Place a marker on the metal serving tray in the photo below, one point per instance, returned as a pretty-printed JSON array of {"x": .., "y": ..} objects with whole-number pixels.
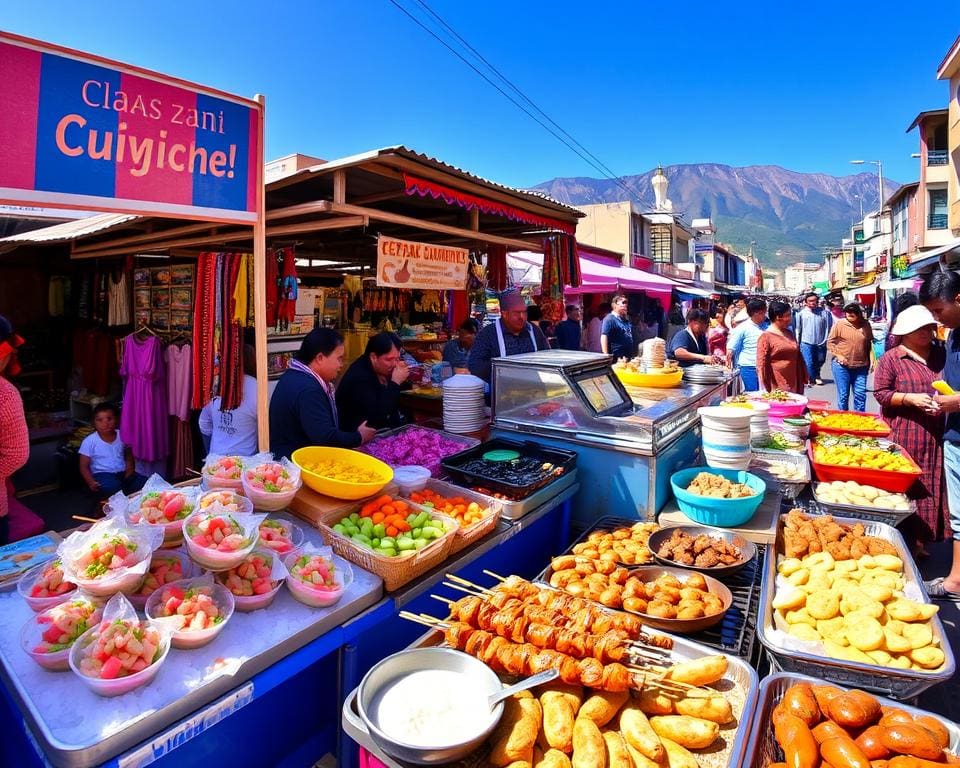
[
  {"x": 893, "y": 682},
  {"x": 562, "y": 459},
  {"x": 514, "y": 510},
  {"x": 735, "y": 633},
  {"x": 762, "y": 748},
  {"x": 76, "y": 728},
  {"x": 791, "y": 488},
  {"x": 740, "y": 686},
  {"x": 874, "y": 514}
]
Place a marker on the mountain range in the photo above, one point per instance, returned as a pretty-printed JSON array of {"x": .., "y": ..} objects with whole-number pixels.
[{"x": 788, "y": 215}]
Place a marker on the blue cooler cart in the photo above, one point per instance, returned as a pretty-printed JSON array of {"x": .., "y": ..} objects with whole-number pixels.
[{"x": 628, "y": 440}]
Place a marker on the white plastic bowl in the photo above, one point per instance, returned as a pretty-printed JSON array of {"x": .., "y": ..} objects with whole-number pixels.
[
  {"x": 32, "y": 634},
  {"x": 37, "y": 604},
  {"x": 187, "y": 570},
  {"x": 108, "y": 585},
  {"x": 120, "y": 685},
  {"x": 213, "y": 559},
  {"x": 247, "y": 603},
  {"x": 243, "y": 503},
  {"x": 267, "y": 501},
  {"x": 411, "y": 478},
  {"x": 186, "y": 639},
  {"x": 311, "y": 597},
  {"x": 296, "y": 538},
  {"x": 172, "y": 531}
]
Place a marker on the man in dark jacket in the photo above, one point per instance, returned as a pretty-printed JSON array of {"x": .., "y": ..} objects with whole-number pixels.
[
  {"x": 302, "y": 409},
  {"x": 370, "y": 389},
  {"x": 510, "y": 335},
  {"x": 569, "y": 330}
]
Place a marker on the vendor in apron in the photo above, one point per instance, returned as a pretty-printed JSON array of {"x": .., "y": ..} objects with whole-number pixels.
[{"x": 510, "y": 335}]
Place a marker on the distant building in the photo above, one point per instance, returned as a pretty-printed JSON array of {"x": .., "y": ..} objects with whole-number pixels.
[
  {"x": 949, "y": 69},
  {"x": 907, "y": 229},
  {"x": 799, "y": 277},
  {"x": 282, "y": 167},
  {"x": 932, "y": 190}
]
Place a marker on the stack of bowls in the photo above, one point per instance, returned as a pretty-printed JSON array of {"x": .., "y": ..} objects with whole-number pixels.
[
  {"x": 726, "y": 436},
  {"x": 760, "y": 423}
]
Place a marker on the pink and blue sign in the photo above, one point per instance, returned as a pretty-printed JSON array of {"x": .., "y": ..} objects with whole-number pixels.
[{"x": 78, "y": 131}]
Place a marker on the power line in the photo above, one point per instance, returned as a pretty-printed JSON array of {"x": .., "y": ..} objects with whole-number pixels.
[
  {"x": 616, "y": 177},
  {"x": 519, "y": 106}
]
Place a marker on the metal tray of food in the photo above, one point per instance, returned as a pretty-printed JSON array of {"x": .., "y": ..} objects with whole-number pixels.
[
  {"x": 740, "y": 686},
  {"x": 514, "y": 510},
  {"x": 874, "y": 514},
  {"x": 891, "y": 681},
  {"x": 609, "y": 524},
  {"x": 563, "y": 461},
  {"x": 762, "y": 749},
  {"x": 762, "y": 457}
]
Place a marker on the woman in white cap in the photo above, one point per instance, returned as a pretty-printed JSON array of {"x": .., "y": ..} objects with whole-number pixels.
[{"x": 902, "y": 383}]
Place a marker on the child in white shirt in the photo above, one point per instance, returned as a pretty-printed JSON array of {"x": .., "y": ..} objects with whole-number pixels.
[{"x": 106, "y": 464}]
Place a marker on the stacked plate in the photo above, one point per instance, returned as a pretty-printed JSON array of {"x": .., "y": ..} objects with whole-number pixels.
[
  {"x": 760, "y": 423},
  {"x": 726, "y": 436},
  {"x": 704, "y": 374},
  {"x": 463, "y": 407}
]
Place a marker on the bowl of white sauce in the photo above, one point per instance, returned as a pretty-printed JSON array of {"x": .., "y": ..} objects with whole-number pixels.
[{"x": 429, "y": 705}]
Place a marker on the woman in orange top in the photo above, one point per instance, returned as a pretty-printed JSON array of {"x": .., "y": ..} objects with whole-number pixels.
[{"x": 779, "y": 363}]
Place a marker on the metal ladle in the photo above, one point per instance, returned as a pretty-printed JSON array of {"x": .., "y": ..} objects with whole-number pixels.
[{"x": 531, "y": 682}]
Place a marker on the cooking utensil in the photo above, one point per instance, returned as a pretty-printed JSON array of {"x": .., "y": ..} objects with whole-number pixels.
[
  {"x": 650, "y": 573},
  {"x": 531, "y": 682},
  {"x": 748, "y": 550}
]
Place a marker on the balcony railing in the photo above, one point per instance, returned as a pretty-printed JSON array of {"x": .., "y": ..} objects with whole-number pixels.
[
  {"x": 937, "y": 221},
  {"x": 937, "y": 157}
]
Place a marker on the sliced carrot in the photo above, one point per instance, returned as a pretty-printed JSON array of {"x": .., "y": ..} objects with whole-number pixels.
[
  {"x": 392, "y": 530},
  {"x": 388, "y": 509},
  {"x": 401, "y": 506},
  {"x": 403, "y": 526},
  {"x": 378, "y": 517}
]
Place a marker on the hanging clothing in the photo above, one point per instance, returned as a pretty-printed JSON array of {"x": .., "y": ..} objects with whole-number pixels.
[
  {"x": 287, "y": 305},
  {"x": 178, "y": 361},
  {"x": 273, "y": 287},
  {"x": 93, "y": 355},
  {"x": 57, "y": 295},
  {"x": 240, "y": 292},
  {"x": 118, "y": 300},
  {"x": 181, "y": 451},
  {"x": 204, "y": 322},
  {"x": 143, "y": 425}
]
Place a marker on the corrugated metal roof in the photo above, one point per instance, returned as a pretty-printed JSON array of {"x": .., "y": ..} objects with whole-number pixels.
[
  {"x": 352, "y": 160},
  {"x": 71, "y": 230}
]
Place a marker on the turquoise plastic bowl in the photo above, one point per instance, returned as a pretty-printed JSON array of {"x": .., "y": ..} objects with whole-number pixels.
[{"x": 724, "y": 513}]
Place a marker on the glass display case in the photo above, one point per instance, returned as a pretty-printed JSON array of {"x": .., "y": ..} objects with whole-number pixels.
[{"x": 576, "y": 395}]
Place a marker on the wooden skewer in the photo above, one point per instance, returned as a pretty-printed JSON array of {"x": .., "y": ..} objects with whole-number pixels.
[
  {"x": 442, "y": 599},
  {"x": 83, "y": 519},
  {"x": 496, "y": 576},
  {"x": 466, "y": 583},
  {"x": 414, "y": 618},
  {"x": 464, "y": 589}
]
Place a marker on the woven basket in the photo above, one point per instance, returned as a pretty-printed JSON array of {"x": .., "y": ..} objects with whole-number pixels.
[
  {"x": 395, "y": 571},
  {"x": 491, "y": 508}
]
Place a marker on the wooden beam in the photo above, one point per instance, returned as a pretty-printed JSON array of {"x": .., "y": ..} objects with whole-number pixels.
[
  {"x": 475, "y": 220},
  {"x": 341, "y": 222},
  {"x": 303, "y": 209},
  {"x": 394, "y": 218},
  {"x": 379, "y": 197},
  {"x": 340, "y": 186},
  {"x": 260, "y": 291}
]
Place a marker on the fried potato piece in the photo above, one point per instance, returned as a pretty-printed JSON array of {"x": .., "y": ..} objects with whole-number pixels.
[
  {"x": 689, "y": 732},
  {"x": 678, "y": 756},
  {"x": 864, "y": 632},
  {"x": 894, "y": 642},
  {"x": 789, "y": 599},
  {"x": 918, "y": 635},
  {"x": 823, "y": 605},
  {"x": 928, "y": 658},
  {"x": 702, "y": 671},
  {"x": 714, "y": 708},
  {"x": 602, "y": 706},
  {"x": 804, "y": 632}
]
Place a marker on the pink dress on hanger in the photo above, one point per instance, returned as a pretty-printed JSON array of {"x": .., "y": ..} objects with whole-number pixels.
[
  {"x": 143, "y": 424},
  {"x": 179, "y": 380}
]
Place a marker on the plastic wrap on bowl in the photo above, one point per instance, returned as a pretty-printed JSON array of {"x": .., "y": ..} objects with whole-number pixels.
[
  {"x": 45, "y": 586},
  {"x": 256, "y": 581},
  {"x": 197, "y": 628},
  {"x": 224, "y": 551},
  {"x": 271, "y": 485},
  {"x": 321, "y": 595},
  {"x": 85, "y": 562}
]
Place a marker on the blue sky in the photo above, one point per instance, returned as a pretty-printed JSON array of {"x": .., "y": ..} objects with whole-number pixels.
[{"x": 807, "y": 86}]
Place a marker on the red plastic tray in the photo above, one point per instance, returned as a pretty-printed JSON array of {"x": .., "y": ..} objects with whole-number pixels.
[
  {"x": 884, "y": 479},
  {"x": 816, "y": 429}
]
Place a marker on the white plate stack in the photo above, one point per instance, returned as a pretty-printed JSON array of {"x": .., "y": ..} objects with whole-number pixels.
[
  {"x": 704, "y": 374},
  {"x": 760, "y": 423},
  {"x": 726, "y": 436},
  {"x": 463, "y": 407},
  {"x": 653, "y": 354}
]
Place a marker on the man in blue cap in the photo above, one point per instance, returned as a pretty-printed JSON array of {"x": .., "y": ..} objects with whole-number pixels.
[{"x": 510, "y": 335}]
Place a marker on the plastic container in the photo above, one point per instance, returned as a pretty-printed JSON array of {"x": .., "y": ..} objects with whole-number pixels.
[
  {"x": 211, "y": 480},
  {"x": 666, "y": 380},
  {"x": 37, "y": 604},
  {"x": 725, "y": 513},
  {"x": 280, "y": 536},
  {"x": 312, "y": 597},
  {"x": 231, "y": 501},
  {"x": 247, "y": 603},
  {"x": 882, "y": 430},
  {"x": 120, "y": 685},
  {"x": 795, "y": 406},
  {"x": 186, "y": 639},
  {"x": 139, "y": 599},
  {"x": 340, "y": 489},
  {"x": 410, "y": 478},
  {"x": 172, "y": 529},
  {"x": 564, "y": 462},
  {"x": 216, "y": 560},
  {"x": 885, "y": 480},
  {"x": 32, "y": 634},
  {"x": 271, "y": 501},
  {"x": 798, "y": 427}
]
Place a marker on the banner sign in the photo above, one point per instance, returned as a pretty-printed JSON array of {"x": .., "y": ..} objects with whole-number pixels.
[
  {"x": 84, "y": 132},
  {"x": 405, "y": 264}
]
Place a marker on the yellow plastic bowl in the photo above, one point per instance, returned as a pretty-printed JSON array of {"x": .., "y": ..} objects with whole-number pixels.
[
  {"x": 340, "y": 489},
  {"x": 656, "y": 380}
]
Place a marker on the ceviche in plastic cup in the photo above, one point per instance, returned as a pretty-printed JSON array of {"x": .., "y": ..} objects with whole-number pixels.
[
  {"x": 231, "y": 501},
  {"x": 223, "y": 472},
  {"x": 220, "y": 540},
  {"x": 165, "y": 508},
  {"x": 45, "y": 586},
  {"x": 121, "y": 652},
  {"x": 256, "y": 581},
  {"x": 200, "y": 609},
  {"x": 47, "y": 637},
  {"x": 166, "y": 566},
  {"x": 271, "y": 485},
  {"x": 110, "y": 557},
  {"x": 281, "y": 536},
  {"x": 316, "y": 578}
]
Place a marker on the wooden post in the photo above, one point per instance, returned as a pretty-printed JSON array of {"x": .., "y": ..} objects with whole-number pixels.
[{"x": 260, "y": 289}]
